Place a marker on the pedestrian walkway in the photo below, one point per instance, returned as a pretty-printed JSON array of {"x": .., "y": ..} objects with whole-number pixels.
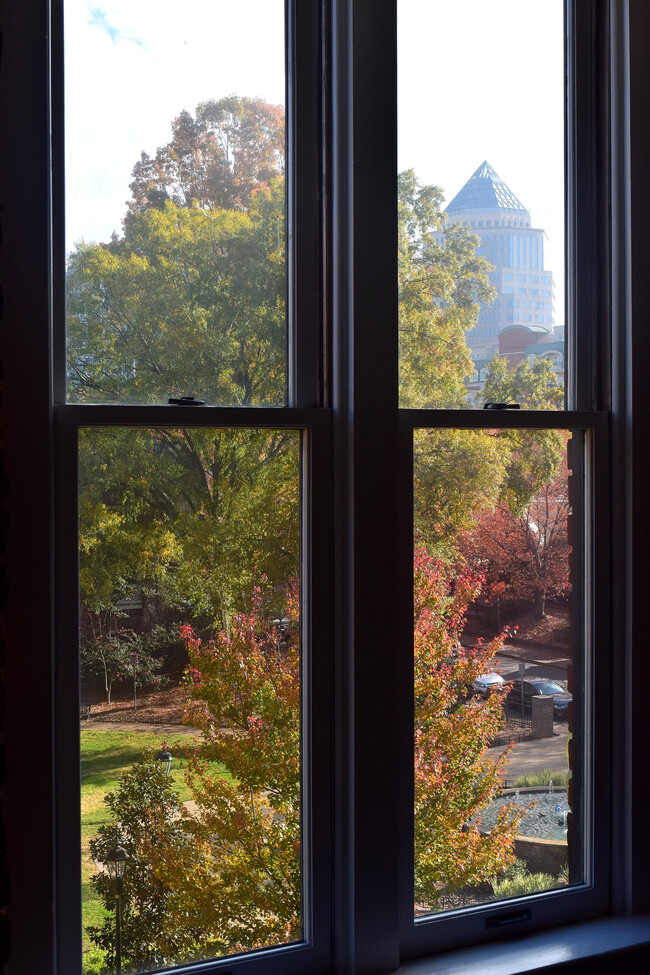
[
  {"x": 164, "y": 730},
  {"x": 537, "y": 755}
]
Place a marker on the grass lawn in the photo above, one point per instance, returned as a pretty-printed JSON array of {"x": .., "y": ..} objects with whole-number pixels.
[{"x": 104, "y": 754}]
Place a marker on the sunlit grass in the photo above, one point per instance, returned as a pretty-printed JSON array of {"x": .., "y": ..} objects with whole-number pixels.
[
  {"x": 105, "y": 754},
  {"x": 531, "y": 780}
]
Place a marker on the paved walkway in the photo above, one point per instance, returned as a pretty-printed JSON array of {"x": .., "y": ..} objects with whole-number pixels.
[
  {"x": 535, "y": 756},
  {"x": 164, "y": 730}
]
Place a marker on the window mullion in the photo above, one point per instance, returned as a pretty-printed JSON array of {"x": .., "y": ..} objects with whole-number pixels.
[{"x": 365, "y": 444}]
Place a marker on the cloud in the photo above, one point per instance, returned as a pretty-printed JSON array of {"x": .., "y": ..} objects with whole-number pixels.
[{"x": 99, "y": 18}]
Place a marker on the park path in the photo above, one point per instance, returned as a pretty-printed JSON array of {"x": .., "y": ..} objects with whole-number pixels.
[
  {"x": 165, "y": 730},
  {"x": 537, "y": 755}
]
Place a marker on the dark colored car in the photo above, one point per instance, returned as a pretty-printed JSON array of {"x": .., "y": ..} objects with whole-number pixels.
[{"x": 540, "y": 685}]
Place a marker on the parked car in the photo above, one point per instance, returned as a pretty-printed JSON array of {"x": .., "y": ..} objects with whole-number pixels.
[
  {"x": 540, "y": 685},
  {"x": 485, "y": 683}
]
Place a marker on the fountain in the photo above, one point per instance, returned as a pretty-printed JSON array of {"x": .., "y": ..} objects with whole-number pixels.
[
  {"x": 545, "y": 816},
  {"x": 541, "y": 839}
]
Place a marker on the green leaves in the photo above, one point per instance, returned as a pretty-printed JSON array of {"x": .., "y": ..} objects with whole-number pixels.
[
  {"x": 439, "y": 287},
  {"x": 187, "y": 302}
]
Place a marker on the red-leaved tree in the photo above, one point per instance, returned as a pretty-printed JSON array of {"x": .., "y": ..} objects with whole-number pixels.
[
  {"x": 235, "y": 865},
  {"x": 240, "y": 874},
  {"x": 525, "y": 556},
  {"x": 455, "y": 779}
]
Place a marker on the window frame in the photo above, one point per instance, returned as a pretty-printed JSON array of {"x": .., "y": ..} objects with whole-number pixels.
[
  {"x": 611, "y": 238},
  {"x": 303, "y": 411}
]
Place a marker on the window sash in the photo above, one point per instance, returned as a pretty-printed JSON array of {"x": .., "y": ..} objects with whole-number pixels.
[
  {"x": 591, "y": 556},
  {"x": 313, "y": 952}
]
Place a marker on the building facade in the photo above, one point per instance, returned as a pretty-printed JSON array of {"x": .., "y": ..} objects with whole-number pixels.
[{"x": 522, "y": 316}]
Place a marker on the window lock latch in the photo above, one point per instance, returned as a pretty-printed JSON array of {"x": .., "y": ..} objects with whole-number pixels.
[
  {"x": 186, "y": 401},
  {"x": 501, "y": 406}
]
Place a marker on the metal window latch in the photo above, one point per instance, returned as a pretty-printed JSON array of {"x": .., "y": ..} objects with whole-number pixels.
[
  {"x": 501, "y": 406},
  {"x": 186, "y": 401},
  {"x": 504, "y": 919}
]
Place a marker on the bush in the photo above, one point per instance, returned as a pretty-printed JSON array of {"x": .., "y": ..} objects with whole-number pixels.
[
  {"x": 530, "y": 780},
  {"x": 529, "y": 883}
]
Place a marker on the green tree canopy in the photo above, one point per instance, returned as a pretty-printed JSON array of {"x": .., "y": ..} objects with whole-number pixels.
[{"x": 440, "y": 285}]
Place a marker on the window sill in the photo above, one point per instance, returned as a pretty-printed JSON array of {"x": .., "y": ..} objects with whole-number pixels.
[{"x": 578, "y": 947}]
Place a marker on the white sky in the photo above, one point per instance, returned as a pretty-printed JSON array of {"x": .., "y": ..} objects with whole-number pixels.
[
  {"x": 132, "y": 66},
  {"x": 477, "y": 80}
]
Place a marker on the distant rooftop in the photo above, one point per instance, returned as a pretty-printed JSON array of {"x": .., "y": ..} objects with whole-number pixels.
[{"x": 485, "y": 190}]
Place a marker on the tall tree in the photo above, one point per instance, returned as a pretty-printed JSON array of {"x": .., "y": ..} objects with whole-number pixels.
[
  {"x": 186, "y": 516},
  {"x": 528, "y": 551},
  {"x": 186, "y": 303},
  {"x": 221, "y": 158},
  {"x": 440, "y": 286},
  {"x": 454, "y": 778}
]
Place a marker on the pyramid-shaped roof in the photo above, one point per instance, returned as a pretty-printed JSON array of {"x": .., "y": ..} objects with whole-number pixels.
[{"x": 484, "y": 191}]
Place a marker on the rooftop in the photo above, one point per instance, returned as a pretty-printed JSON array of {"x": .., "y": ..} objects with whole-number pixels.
[{"x": 484, "y": 191}]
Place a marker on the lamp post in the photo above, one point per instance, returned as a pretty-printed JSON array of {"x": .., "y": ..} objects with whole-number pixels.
[
  {"x": 134, "y": 661},
  {"x": 165, "y": 758},
  {"x": 281, "y": 627},
  {"x": 116, "y": 861}
]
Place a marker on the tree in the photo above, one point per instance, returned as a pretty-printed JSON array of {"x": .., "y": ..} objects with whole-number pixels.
[
  {"x": 143, "y": 804},
  {"x": 527, "y": 554},
  {"x": 440, "y": 286},
  {"x": 222, "y": 158},
  {"x": 534, "y": 455},
  {"x": 457, "y": 474},
  {"x": 120, "y": 655},
  {"x": 188, "y": 302},
  {"x": 454, "y": 778},
  {"x": 185, "y": 516},
  {"x": 239, "y": 876}
]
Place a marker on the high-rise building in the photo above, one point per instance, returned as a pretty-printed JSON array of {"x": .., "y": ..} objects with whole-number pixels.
[{"x": 525, "y": 299}]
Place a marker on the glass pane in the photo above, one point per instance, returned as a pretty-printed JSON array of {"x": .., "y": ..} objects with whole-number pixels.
[
  {"x": 190, "y": 651},
  {"x": 175, "y": 201},
  {"x": 499, "y": 644},
  {"x": 481, "y": 203}
]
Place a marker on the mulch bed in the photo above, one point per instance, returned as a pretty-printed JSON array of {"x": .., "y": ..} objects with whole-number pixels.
[{"x": 159, "y": 707}]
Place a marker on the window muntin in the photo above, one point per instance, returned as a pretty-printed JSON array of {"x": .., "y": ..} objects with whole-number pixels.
[{"x": 180, "y": 292}]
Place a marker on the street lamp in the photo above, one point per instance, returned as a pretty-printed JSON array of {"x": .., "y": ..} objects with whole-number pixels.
[
  {"x": 134, "y": 661},
  {"x": 165, "y": 758},
  {"x": 281, "y": 627},
  {"x": 116, "y": 862}
]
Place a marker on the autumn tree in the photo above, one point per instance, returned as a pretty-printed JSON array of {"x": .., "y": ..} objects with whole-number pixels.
[
  {"x": 525, "y": 555},
  {"x": 454, "y": 778},
  {"x": 239, "y": 875},
  {"x": 220, "y": 158}
]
